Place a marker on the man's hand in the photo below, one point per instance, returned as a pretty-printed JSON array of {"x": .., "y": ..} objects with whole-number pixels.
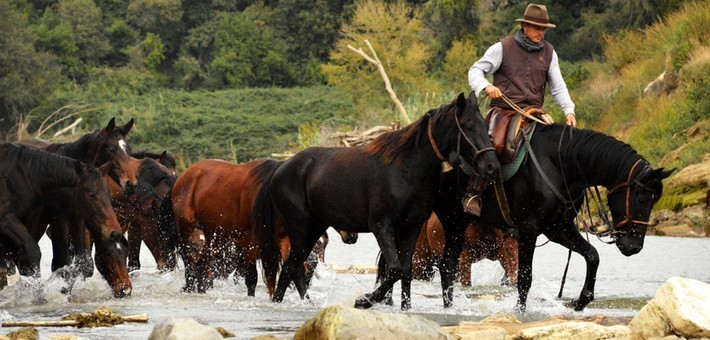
[
  {"x": 571, "y": 120},
  {"x": 493, "y": 92}
]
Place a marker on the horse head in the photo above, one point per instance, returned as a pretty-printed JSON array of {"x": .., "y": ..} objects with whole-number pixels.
[
  {"x": 94, "y": 206},
  {"x": 630, "y": 204},
  {"x": 110, "y": 259},
  {"x": 464, "y": 132},
  {"x": 109, "y": 144}
]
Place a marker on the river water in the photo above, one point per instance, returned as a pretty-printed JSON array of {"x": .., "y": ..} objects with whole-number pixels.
[{"x": 624, "y": 285}]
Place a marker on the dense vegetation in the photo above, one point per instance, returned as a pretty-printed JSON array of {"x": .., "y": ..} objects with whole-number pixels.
[{"x": 241, "y": 79}]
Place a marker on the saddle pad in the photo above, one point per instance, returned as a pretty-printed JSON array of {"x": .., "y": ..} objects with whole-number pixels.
[{"x": 508, "y": 170}]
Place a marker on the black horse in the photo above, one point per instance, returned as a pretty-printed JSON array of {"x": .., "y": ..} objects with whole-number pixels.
[
  {"x": 546, "y": 194},
  {"x": 35, "y": 188},
  {"x": 387, "y": 188}
]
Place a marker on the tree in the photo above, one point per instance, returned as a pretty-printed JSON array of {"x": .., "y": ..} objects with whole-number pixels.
[
  {"x": 27, "y": 76},
  {"x": 397, "y": 39},
  {"x": 234, "y": 52}
]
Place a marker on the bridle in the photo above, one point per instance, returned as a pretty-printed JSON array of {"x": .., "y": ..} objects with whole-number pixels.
[
  {"x": 627, "y": 185},
  {"x": 478, "y": 152}
]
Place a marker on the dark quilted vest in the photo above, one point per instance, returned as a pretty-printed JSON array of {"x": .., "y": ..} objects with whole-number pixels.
[{"x": 523, "y": 75}]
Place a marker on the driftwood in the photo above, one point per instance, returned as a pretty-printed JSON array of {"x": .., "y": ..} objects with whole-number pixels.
[
  {"x": 102, "y": 317},
  {"x": 354, "y": 138}
]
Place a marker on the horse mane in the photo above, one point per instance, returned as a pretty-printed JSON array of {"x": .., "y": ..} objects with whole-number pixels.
[
  {"x": 77, "y": 147},
  {"x": 609, "y": 155},
  {"x": 393, "y": 145},
  {"x": 40, "y": 168},
  {"x": 153, "y": 172},
  {"x": 264, "y": 170}
]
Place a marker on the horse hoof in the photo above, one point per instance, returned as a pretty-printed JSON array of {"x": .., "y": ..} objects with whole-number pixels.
[
  {"x": 576, "y": 305},
  {"x": 363, "y": 302}
]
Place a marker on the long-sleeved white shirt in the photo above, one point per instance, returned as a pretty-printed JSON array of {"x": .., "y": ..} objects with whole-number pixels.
[{"x": 493, "y": 58}]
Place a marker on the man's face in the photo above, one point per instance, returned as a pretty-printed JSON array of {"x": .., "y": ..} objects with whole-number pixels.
[{"x": 533, "y": 32}]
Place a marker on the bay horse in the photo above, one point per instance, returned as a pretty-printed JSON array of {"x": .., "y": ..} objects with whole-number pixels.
[
  {"x": 96, "y": 148},
  {"x": 546, "y": 194},
  {"x": 37, "y": 187},
  {"x": 138, "y": 212},
  {"x": 480, "y": 243},
  {"x": 211, "y": 206},
  {"x": 386, "y": 187}
]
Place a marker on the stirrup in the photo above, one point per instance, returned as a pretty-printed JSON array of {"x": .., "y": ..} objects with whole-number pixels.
[{"x": 472, "y": 205}]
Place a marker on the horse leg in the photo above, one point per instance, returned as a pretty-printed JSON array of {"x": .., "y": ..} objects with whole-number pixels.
[
  {"x": 508, "y": 258},
  {"x": 381, "y": 270},
  {"x": 454, "y": 230},
  {"x": 60, "y": 246},
  {"x": 526, "y": 250},
  {"x": 28, "y": 252},
  {"x": 292, "y": 271},
  {"x": 464, "y": 268},
  {"x": 82, "y": 243},
  {"x": 386, "y": 241},
  {"x": 251, "y": 278},
  {"x": 571, "y": 239},
  {"x": 134, "y": 246}
]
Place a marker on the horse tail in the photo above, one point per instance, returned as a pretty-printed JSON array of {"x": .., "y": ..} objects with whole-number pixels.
[
  {"x": 265, "y": 232},
  {"x": 167, "y": 229}
]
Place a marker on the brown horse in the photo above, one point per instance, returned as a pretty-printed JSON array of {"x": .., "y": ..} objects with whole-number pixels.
[
  {"x": 96, "y": 148},
  {"x": 38, "y": 188},
  {"x": 213, "y": 199},
  {"x": 138, "y": 212},
  {"x": 479, "y": 243}
]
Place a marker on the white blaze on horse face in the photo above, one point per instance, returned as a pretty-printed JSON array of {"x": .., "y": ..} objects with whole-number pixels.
[
  {"x": 118, "y": 245},
  {"x": 124, "y": 146},
  {"x": 202, "y": 237}
]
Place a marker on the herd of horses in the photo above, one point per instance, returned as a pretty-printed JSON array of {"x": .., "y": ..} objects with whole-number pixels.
[{"x": 221, "y": 218}]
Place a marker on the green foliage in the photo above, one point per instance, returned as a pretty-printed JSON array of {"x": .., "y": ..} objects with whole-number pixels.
[
  {"x": 656, "y": 124},
  {"x": 236, "y": 125},
  {"x": 397, "y": 40},
  {"x": 27, "y": 76},
  {"x": 458, "y": 60},
  {"x": 85, "y": 19}
]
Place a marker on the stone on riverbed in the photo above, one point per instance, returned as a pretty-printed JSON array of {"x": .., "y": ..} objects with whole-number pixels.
[
  {"x": 680, "y": 307},
  {"x": 187, "y": 329},
  {"x": 505, "y": 326},
  {"x": 338, "y": 322}
]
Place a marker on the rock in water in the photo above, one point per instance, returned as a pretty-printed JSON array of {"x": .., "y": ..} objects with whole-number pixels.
[
  {"x": 679, "y": 308},
  {"x": 183, "y": 329},
  {"x": 338, "y": 322}
]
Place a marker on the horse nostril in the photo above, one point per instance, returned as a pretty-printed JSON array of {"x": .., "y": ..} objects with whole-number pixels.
[{"x": 115, "y": 236}]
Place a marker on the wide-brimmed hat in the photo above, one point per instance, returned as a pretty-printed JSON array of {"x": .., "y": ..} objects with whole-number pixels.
[{"x": 536, "y": 15}]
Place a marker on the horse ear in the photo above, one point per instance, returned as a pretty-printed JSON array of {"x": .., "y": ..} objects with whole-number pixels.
[
  {"x": 664, "y": 174},
  {"x": 126, "y": 128},
  {"x": 111, "y": 125},
  {"x": 461, "y": 101},
  {"x": 105, "y": 168}
]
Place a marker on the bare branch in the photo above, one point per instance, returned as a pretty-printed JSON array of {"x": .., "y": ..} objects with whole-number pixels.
[{"x": 375, "y": 60}]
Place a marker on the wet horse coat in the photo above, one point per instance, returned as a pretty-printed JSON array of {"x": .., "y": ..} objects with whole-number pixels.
[
  {"x": 386, "y": 188},
  {"x": 571, "y": 161},
  {"x": 35, "y": 188}
]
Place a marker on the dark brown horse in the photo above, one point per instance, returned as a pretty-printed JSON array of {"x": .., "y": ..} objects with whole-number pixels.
[
  {"x": 213, "y": 199},
  {"x": 36, "y": 188},
  {"x": 386, "y": 188},
  {"x": 97, "y": 148},
  {"x": 479, "y": 243}
]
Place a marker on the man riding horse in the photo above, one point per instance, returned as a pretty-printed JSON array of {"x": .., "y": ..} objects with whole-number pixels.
[{"x": 521, "y": 65}]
